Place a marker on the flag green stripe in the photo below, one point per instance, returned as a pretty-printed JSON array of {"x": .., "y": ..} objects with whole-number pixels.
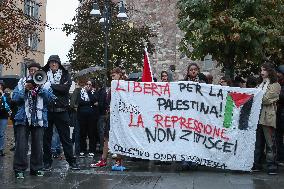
[{"x": 228, "y": 116}]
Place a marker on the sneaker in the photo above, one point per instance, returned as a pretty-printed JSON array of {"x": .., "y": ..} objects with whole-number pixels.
[
  {"x": 272, "y": 171},
  {"x": 74, "y": 166},
  {"x": 91, "y": 155},
  {"x": 280, "y": 163},
  {"x": 47, "y": 167},
  {"x": 82, "y": 155},
  {"x": 19, "y": 175},
  {"x": 114, "y": 156},
  {"x": 101, "y": 163},
  {"x": 37, "y": 173}
]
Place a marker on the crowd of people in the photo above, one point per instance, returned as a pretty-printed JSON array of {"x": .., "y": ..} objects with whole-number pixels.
[{"x": 43, "y": 113}]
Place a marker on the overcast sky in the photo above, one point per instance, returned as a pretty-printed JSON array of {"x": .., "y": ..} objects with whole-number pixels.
[{"x": 59, "y": 12}]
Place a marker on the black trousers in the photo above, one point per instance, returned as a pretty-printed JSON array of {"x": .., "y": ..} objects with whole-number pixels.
[
  {"x": 279, "y": 134},
  {"x": 88, "y": 127},
  {"x": 61, "y": 121},
  {"x": 21, "y": 153},
  {"x": 265, "y": 137},
  {"x": 76, "y": 132}
]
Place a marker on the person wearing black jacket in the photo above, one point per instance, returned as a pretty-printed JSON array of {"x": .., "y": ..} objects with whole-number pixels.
[
  {"x": 58, "y": 115},
  {"x": 280, "y": 118},
  {"x": 87, "y": 119}
]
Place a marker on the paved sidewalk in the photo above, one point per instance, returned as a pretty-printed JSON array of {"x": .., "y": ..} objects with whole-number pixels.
[{"x": 141, "y": 174}]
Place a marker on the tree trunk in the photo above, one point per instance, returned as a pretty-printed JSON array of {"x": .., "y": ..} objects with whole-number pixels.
[{"x": 229, "y": 67}]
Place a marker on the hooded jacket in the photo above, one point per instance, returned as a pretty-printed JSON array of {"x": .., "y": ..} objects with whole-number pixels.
[{"x": 61, "y": 90}]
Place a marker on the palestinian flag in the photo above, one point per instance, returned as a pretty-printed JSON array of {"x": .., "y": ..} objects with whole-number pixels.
[{"x": 238, "y": 102}]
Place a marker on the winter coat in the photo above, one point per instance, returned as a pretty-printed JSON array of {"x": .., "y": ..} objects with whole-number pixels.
[
  {"x": 74, "y": 100},
  {"x": 102, "y": 107},
  {"x": 20, "y": 95},
  {"x": 78, "y": 104},
  {"x": 269, "y": 105},
  {"x": 61, "y": 90},
  {"x": 88, "y": 106}
]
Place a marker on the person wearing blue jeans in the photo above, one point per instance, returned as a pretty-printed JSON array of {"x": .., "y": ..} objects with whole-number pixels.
[
  {"x": 4, "y": 114},
  {"x": 30, "y": 120},
  {"x": 55, "y": 144},
  {"x": 3, "y": 126}
]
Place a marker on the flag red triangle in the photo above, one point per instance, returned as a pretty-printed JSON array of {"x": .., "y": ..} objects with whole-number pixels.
[
  {"x": 147, "y": 73},
  {"x": 240, "y": 98}
]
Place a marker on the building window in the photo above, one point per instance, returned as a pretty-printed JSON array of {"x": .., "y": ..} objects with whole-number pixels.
[
  {"x": 31, "y": 8},
  {"x": 32, "y": 41},
  {"x": 23, "y": 69},
  {"x": 24, "y": 66}
]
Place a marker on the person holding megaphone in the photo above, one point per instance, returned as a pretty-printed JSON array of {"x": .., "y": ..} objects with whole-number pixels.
[{"x": 31, "y": 95}]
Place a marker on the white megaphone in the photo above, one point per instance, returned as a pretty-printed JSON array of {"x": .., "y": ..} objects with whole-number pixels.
[{"x": 40, "y": 77}]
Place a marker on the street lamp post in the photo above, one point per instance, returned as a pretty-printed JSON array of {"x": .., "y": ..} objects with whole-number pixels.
[{"x": 106, "y": 23}]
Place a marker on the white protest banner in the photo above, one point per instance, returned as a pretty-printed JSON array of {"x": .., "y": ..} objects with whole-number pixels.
[{"x": 211, "y": 125}]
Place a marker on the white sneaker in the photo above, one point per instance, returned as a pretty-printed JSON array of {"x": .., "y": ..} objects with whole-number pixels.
[
  {"x": 114, "y": 156},
  {"x": 82, "y": 155},
  {"x": 91, "y": 155}
]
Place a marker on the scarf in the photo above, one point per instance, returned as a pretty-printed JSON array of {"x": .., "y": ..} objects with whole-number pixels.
[
  {"x": 33, "y": 102},
  {"x": 34, "y": 107},
  {"x": 84, "y": 95},
  {"x": 54, "y": 78},
  {"x": 263, "y": 86}
]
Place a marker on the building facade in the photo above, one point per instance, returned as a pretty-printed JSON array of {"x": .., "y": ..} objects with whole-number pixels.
[
  {"x": 162, "y": 16},
  {"x": 36, "y": 41}
]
